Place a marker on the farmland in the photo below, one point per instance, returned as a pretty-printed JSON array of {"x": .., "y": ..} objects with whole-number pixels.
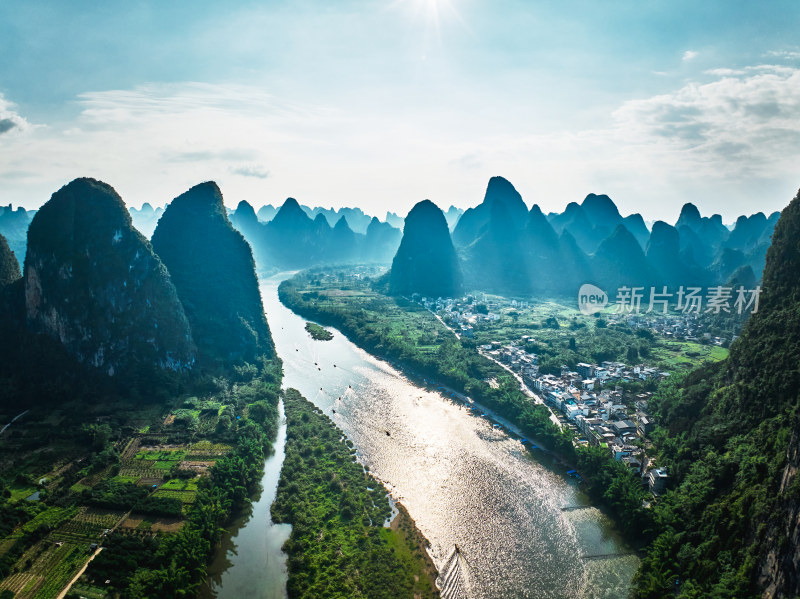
[{"x": 85, "y": 477}]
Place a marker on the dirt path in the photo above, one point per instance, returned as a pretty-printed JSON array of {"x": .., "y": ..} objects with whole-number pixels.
[{"x": 75, "y": 578}]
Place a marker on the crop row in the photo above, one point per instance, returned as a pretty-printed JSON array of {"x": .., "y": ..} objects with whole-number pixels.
[{"x": 182, "y": 496}]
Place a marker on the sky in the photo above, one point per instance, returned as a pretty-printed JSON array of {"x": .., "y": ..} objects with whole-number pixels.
[{"x": 383, "y": 104}]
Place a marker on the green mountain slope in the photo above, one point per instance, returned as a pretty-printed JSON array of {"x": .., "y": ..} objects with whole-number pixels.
[
  {"x": 729, "y": 440},
  {"x": 213, "y": 270},
  {"x": 426, "y": 261},
  {"x": 93, "y": 283}
]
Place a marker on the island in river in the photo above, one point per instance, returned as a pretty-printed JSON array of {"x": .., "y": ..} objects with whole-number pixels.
[{"x": 317, "y": 332}]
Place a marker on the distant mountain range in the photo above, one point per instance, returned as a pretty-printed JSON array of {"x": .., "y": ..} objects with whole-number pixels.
[
  {"x": 505, "y": 247},
  {"x": 293, "y": 239},
  {"x": 501, "y": 245},
  {"x": 14, "y": 227}
]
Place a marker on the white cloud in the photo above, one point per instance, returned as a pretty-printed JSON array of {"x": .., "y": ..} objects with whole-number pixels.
[
  {"x": 253, "y": 170},
  {"x": 719, "y": 143},
  {"x": 689, "y": 55},
  {"x": 10, "y": 120},
  {"x": 740, "y": 124},
  {"x": 784, "y": 54},
  {"x": 725, "y": 72}
]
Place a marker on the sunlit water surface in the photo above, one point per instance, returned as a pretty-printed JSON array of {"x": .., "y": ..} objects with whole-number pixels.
[{"x": 463, "y": 481}]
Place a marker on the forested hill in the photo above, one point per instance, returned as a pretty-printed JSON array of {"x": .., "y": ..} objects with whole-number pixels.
[
  {"x": 213, "y": 270},
  {"x": 9, "y": 266},
  {"x": 729, "y": 439},
  {"x": 96, "y": 302},
  {"x": 426, "y": 261},
  {"x": 93, "y": 283}
]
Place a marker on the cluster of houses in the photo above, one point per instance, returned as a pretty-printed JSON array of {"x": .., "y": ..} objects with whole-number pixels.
[
  {"x": 463, "y": 313},
  {"x": 583, "y": 399},
  {"x": 585, "y": 377},
  {"x": 686, "y": 327},
  {"x": 604, "y": 418},
  {"x": 584, "y": 402}
]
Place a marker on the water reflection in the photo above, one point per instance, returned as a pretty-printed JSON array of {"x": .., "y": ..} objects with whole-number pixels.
[
  {"x": 464, "y": 481},
  {"x": 250, "y": 562}
]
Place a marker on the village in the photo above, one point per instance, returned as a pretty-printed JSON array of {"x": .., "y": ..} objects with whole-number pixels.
[
  {"x": 589, "y": 400},
  {"x": 591, "y": 404},
  {"x": 470, "y": 312}
]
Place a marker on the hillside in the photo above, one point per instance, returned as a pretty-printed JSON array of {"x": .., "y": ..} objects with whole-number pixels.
[
  {"x": 93, "y": 283},
  {"x": 729, "y": 527},
  {"x": 426, "y": 261},
  {"x": 9, "y": 267},
  {"x": 213, "y": 270}
]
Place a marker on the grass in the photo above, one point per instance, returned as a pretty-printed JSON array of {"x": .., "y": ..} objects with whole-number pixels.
[
  {"x": 162, "y": 455},
  {"x": 177, "y": 484},
  {"x": 19, "y": 492},
  {"x": 686, "y": 354},
  {"x": 182, "y": 496}
]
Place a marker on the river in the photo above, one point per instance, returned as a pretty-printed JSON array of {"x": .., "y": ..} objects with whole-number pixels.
[{"x": 463, "y": 481}]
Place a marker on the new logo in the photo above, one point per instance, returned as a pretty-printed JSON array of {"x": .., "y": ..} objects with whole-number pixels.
[{"x": 591, "y": 299}]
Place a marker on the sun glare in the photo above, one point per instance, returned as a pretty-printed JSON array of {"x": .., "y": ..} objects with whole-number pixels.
[{"x": 432, "y": 12}]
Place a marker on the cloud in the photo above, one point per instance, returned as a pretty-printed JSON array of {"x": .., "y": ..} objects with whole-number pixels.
[
  {"x": 743, "y": 122},
  {"x": 725, "y": 72},
  {"x": 728, "y": 137},
  {"x": 259, "y": 172},
  {"x": 9, "y": 118},
  {"x": 784, "y": 54},
  {"x": 469, "y": 162},
  {"x": 197, "y": 156},
  {"x": 689, "y": 55}
]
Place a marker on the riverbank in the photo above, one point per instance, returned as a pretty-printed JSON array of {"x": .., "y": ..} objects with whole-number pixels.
[
  {"x": 396, "y": 330},
  {"x": 338, "y": 545},
  {"x": 411, "y": 336},
  {"x": 411, "y": 538},
  {"x": 465, "y": 482}
]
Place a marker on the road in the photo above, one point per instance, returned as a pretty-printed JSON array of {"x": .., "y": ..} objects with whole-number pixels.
[{"x": 523, "y": 387}]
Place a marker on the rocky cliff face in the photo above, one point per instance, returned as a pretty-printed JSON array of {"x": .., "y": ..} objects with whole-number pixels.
[
  {"x": 426, "y": 261},
  {"x": 212, "y": 267},
  {"x": 779, "y": 321},
  {"x": 9, "y": 267},
  {"x": 779, "y": 574},
  {"x": 93, "y": 283}
]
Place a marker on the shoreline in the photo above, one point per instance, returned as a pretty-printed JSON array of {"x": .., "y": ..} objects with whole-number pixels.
[{"x": 404, "y": 524}]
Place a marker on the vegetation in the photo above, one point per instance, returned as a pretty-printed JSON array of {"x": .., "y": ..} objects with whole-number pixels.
[
  {"x": 213, "y": 271},
  {"x": 402, "y": 331},
  {"x": 9, "y": 267},
  {"x": 118, "y": 433},
  {"x": 426, "y": 261},
  {"x": 338, "y": 545},
  {"x": 317, "y": 332},
  {"x": 561, "y": 335},
  {"x": 728, "y": 438},
  {"x": 117, "y": 309},
  {"x": 165, "y": 495}
]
